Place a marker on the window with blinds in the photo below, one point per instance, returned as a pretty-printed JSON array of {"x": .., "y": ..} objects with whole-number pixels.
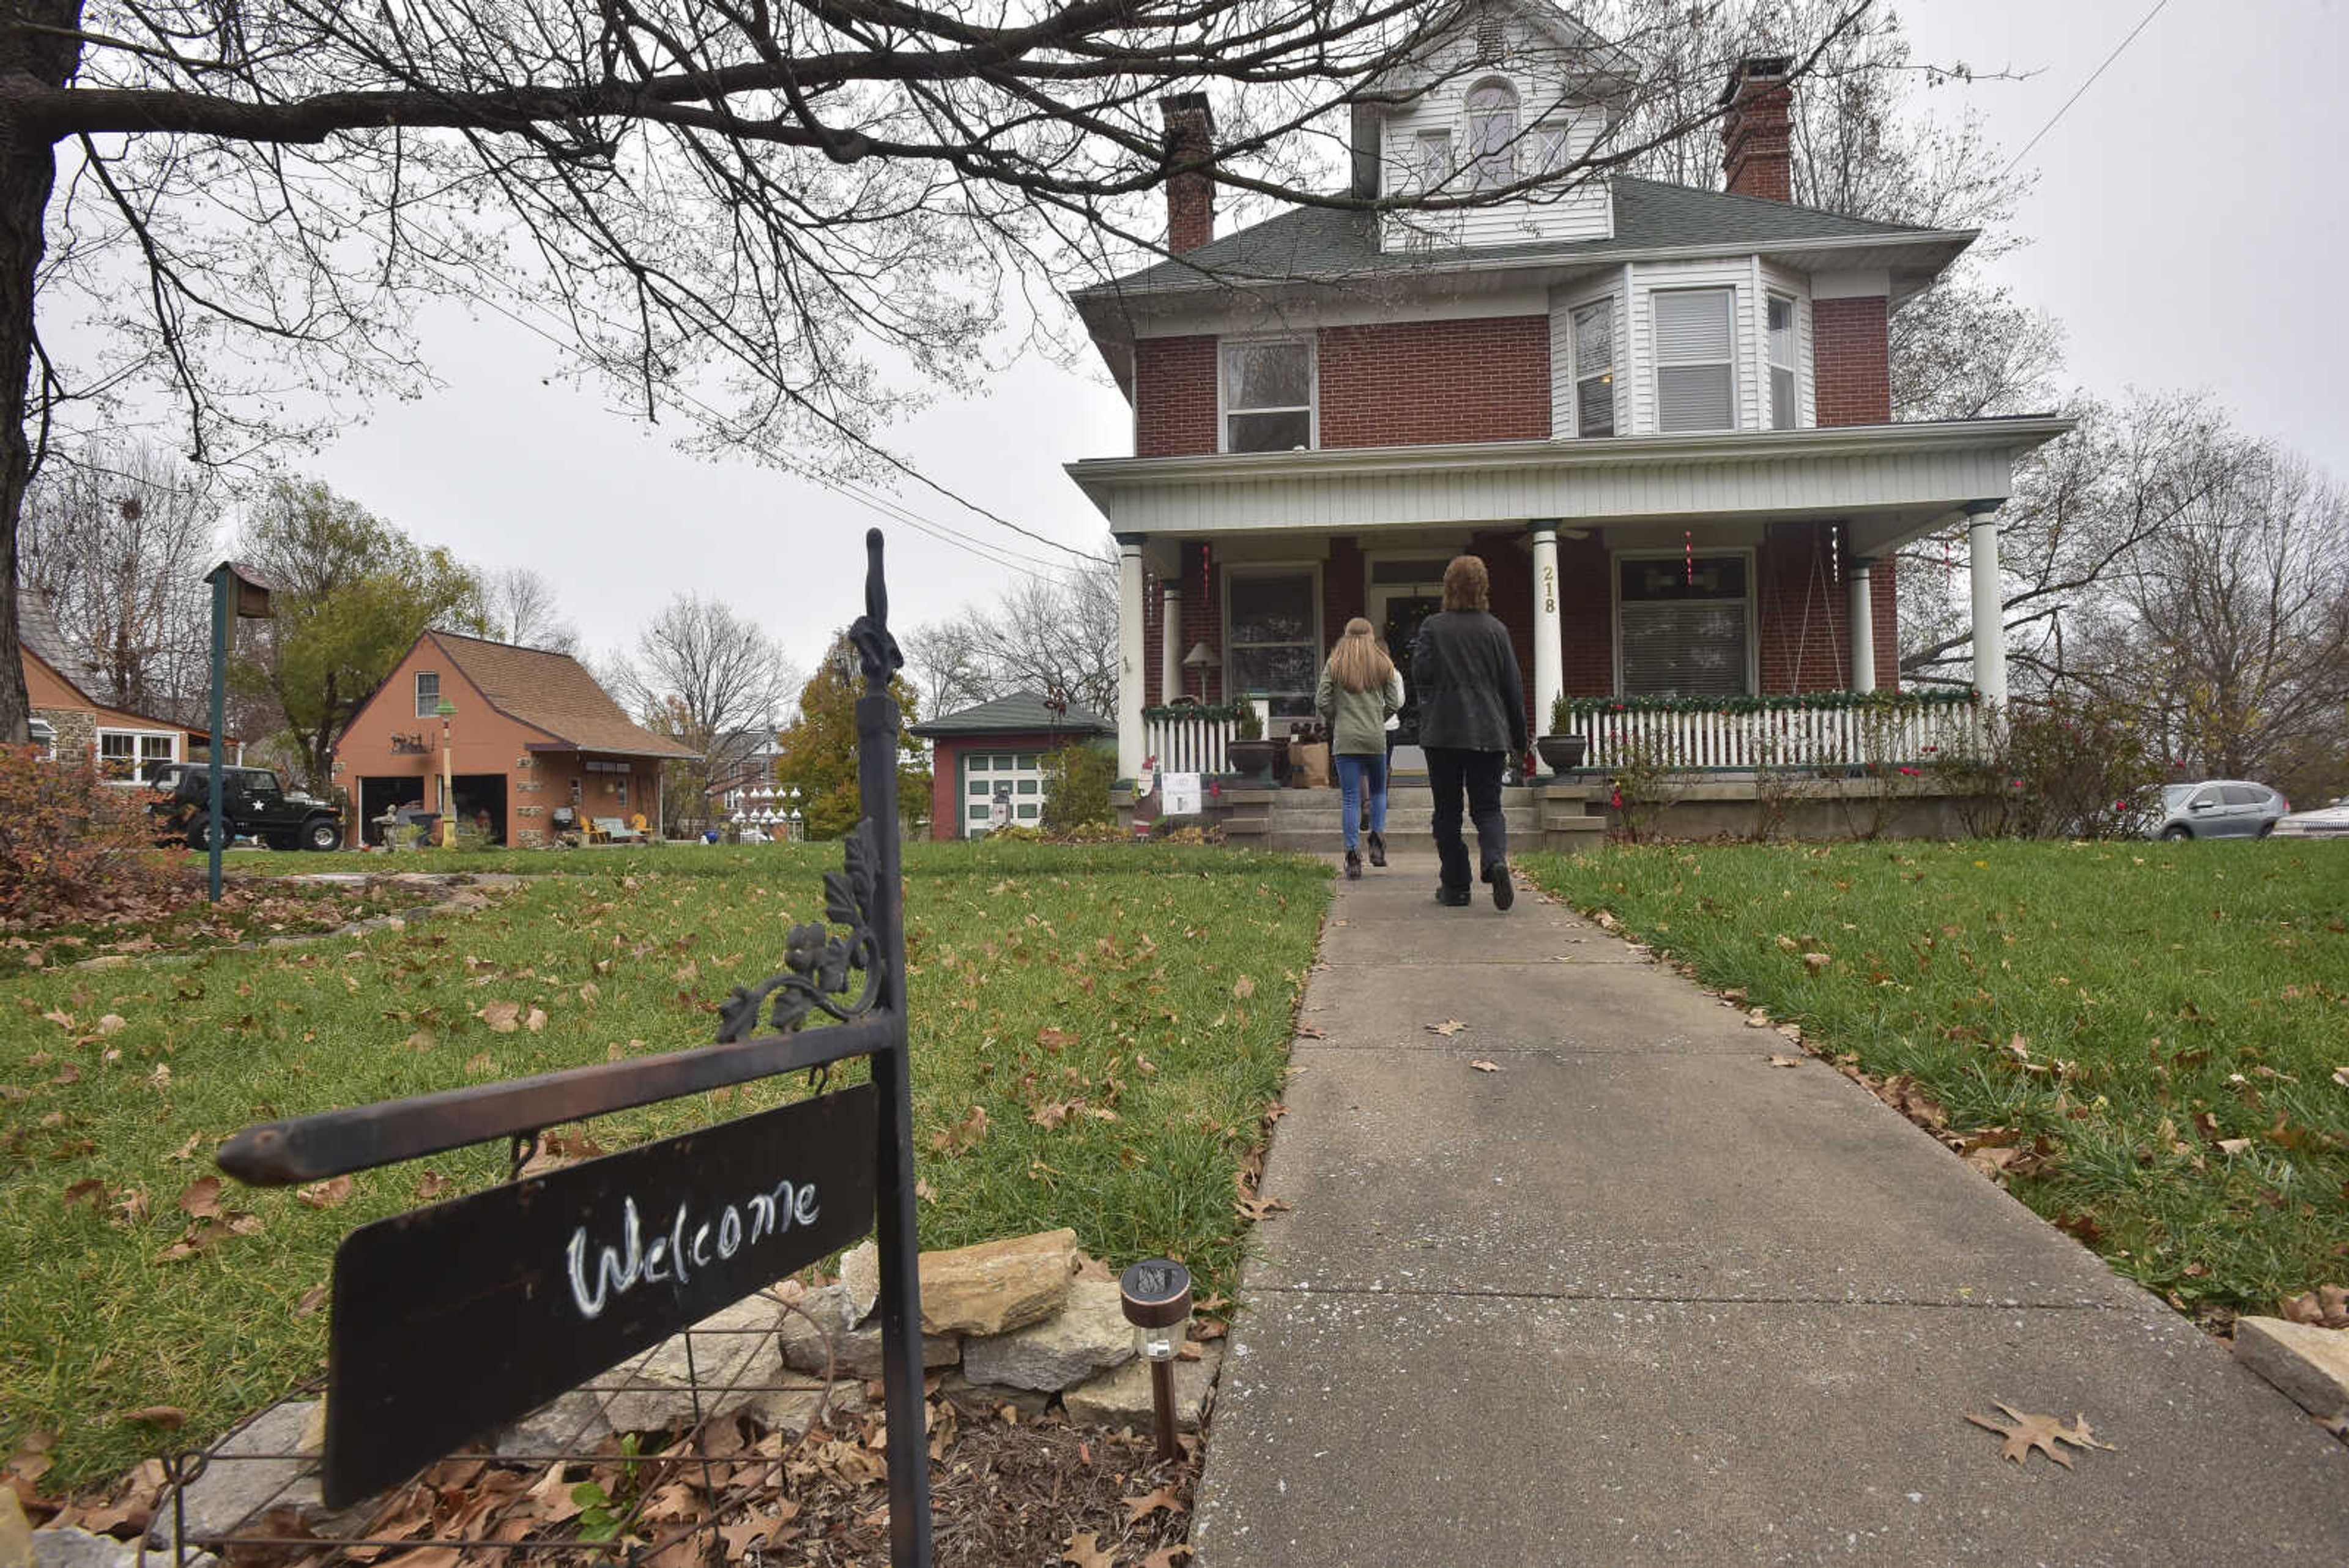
[
  {"x": 1786, "y": 403},
  {"x": 1696, "y": 378},
  {"x": 1594, "y": 369},
  {"x": 1267, "y": 395},
  {"x": 1682, "y": 628}
]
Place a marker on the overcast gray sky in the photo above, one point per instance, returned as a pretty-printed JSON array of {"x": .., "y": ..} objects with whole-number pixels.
[{"x": 2187, "y": 215}]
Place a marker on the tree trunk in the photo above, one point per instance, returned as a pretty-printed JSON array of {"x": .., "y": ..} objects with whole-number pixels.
[{"x": 28, "y": 169}]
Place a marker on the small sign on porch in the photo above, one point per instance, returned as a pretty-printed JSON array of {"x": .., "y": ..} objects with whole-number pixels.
[{"x": 1182, "y": 795}]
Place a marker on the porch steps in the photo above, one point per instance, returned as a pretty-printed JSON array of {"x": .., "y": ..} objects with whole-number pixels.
[{"x": 1565, "y": 819}]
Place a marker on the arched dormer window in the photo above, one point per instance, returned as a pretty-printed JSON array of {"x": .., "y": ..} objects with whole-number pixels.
[{"x": 1493, "y": 134}]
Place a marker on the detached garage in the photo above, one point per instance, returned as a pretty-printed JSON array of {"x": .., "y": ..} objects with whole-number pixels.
[{"x": 986, "y": 768}]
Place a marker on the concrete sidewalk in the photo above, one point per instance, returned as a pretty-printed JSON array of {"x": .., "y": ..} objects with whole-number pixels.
[{"x": 1640, "y": 1297}]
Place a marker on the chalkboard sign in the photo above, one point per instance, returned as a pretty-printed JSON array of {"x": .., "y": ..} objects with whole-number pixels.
[{"x": 452, "y": 1320}]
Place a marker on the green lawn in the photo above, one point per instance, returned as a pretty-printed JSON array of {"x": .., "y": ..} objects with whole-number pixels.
[
  {"x": 2133, "y": 1006},
  {"x": 1154, "y": 984}
]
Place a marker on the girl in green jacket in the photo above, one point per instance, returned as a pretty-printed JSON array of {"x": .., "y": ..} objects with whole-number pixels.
[{"x": 1360, "y": 691}]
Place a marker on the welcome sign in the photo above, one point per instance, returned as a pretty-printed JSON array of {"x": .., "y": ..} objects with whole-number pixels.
[{"x": 451, "y": 1319}]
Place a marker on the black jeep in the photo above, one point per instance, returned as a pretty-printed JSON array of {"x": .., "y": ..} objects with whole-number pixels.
[{"x": 252, "y": 805}]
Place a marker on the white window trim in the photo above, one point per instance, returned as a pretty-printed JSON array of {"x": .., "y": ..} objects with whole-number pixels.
[
  {"x": 1794, "y": 355},
  {"x": 44, "y": 734},
  {"x": 1311, "y": 568},
  {"x": 1553, "y": 144},
  {"x": 415, "y": 690},
  {"x": 1609, "y": 303},
  {"x": 1615, "y": 559},
  {"x": 139, "y": 759},
  {"x": 1421, "y": 142},
  {"x": 1510, "y": 145},
  {"x": 1657, "y": 365},
  {"x": 1223, "y": 411}
]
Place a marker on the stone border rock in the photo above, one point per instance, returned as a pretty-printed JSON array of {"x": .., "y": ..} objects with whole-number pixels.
[{"x": 2309, "y": 1363}]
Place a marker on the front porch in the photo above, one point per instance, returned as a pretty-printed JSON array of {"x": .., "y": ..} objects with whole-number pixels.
[{"x": 1705, "y": 605}]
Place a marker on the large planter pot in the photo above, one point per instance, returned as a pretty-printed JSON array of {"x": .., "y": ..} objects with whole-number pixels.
[
  {"x": 1564, "y": 754},
  {"x": 1255, "y": 757}
]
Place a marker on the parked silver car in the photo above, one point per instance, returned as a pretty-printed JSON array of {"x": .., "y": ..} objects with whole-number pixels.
[{"x": 2219, "y": 808}]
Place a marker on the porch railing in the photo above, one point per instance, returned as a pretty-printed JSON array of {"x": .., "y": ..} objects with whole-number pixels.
[
  {"x": 1188, "y": 739},
  {"x": 1740, "y": 735}
]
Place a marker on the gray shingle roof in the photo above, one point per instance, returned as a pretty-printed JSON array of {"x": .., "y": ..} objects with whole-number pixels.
[
  {"x": 1013, "y": 715},
  {"x": 1325, "y": 242}
]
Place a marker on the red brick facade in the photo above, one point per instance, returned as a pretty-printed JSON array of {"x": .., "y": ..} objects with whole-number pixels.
[
  {"x": 1174, "y": 397},
  {"x": 1417, "y": 383},
  {"x": 1851, "y": 360},
  {"x": 1586, "y": 608},
  {"x": 1756, "y": 140},
  {"x": 1802, "y": 610}
]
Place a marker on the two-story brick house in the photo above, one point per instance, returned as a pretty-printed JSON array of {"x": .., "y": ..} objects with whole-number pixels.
[{"x": 1662, "y": 415}]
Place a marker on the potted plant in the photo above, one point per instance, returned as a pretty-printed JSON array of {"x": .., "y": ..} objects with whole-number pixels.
[
  {"x": 1251, "y": 754},
  {"x": 1563, "y": 752}
]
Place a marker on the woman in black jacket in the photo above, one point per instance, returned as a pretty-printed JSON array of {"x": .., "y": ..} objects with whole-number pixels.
[{"x": 1471, "y": 720}]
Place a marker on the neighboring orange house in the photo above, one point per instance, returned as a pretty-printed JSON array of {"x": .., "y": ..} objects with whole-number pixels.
[
  {"x": 536, "y": 745},
  {"x": 67, "y": 722}
]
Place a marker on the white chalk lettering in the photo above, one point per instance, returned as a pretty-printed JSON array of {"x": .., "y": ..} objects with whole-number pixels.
[{"x": 600, "y": 1275}]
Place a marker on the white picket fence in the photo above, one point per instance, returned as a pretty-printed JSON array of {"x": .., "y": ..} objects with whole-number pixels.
[
  {"x": 1191, "y": 743},
  {"x": 1892, "y": 734}
]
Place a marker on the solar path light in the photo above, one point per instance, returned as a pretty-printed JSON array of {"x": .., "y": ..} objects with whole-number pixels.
[{"x": 1155, "y": 1294}]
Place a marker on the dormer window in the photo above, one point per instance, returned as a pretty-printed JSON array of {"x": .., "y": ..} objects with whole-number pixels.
[
  {"x": 1550, "y": 148},
  {"x": 1696, "y": 377},
  {"x": 1432, "y": 157},
  {"x": 1268, "y": 395},
  {"x": 1493, "y": 134}
]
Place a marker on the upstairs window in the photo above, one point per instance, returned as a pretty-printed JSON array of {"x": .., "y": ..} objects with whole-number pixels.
[
  {"x": 428, "y": 693},
  {"x": 1267, "y": 395},
  {"x": 1493, "y": 134},
  {"x": 1594, "y": 369},
  {"x": 1682, "y": 625},
  {"x": 1550, "y": 148},
  {"x": 1696, "y": 378},
  {"x": 1786, "y": 403},
  {"x": 1432, "y": 158}
]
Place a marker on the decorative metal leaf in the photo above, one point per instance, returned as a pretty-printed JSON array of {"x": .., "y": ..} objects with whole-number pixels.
[{"x": 817, "y": 963}]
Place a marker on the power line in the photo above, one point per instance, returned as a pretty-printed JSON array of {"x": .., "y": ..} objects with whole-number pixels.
[{"x": 2160, "y": 6}]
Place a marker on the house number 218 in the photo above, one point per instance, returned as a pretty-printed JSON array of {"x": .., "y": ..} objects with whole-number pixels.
[{"x": 1549, "y": 590}]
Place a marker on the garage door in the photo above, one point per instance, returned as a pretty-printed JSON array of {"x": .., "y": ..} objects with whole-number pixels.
[{"x": 1018, "y": 777}]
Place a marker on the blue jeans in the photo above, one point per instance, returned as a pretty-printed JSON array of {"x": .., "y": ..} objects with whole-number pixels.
[{"x": 1353, "y": 772}]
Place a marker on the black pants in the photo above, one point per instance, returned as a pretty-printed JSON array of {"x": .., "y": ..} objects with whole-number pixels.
[{"x": 1449, "y": 771}]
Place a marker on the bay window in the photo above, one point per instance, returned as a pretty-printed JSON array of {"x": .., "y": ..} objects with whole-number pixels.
[
  {"x": 1273, "y": 636},
  {"x": 1785, "y": 404},
  {"x": 1594, "y": 369},
  {"x": 1683, "y": 623},
  {"x": 1268, "y": 387},
  {"x": 1696, "y": 378}
]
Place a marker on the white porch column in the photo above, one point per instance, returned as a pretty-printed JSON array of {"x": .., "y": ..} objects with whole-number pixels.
[
  {"x": 1863, "y": 628},
  {"x": 1129, "y": 655},
  {"x": 1989, "y": 614},
  {"x": 1170, "y": 643},
  {"x": 1549, "y": 659}
]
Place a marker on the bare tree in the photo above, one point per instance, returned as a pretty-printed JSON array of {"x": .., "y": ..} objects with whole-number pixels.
[
  {"x": 705, "y": 676},
  {"x": 118, "y": 539},
  {"x": 738, "y": 212},
  {"x": 518, "y": 605},
  {"x": 1043, "y": 635}
]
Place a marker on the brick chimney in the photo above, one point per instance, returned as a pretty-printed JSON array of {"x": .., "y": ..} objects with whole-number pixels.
[
  {"x": 1756, "y": 139},
  {"x": 1190, "y": 192}
]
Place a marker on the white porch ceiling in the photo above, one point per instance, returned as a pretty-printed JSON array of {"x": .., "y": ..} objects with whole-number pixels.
[{"x": 1887, "y": 483}]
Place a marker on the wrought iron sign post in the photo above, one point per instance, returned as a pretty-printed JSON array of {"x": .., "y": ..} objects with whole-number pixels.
[{"x": 537, "y": 1284}]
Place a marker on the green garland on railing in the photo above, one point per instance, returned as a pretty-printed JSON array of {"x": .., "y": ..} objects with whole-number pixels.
[
  {"x": 1211, "y": 713},
  {"x": 1784, "y": 702}
]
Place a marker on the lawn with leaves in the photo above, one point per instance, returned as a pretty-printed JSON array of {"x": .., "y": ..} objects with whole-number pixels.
[
  {"x": 1097, "y": 1034},
  {"x": 2160, "y": 1032}
]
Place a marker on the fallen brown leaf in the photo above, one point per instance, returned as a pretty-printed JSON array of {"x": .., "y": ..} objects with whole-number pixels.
[
  {"x": 2041, "y": 1432},
  {"x": 324, "y": 1194},
  {"x": 1138, "y": 1508},
  {"x": 1448, "y": 1028},
  {"x": 202, "y": 1198},
  {"x": 1243, "y": 988},
  {"x": 503, "y": 1017},
  {"x": 1086, "y": 1551},
  {"x": 312, "y": 1299},
  {"x": 1484, "y": 1066},
  {"x": 1786, "y": 1061},
  {"x": 171, "y": 1417}
]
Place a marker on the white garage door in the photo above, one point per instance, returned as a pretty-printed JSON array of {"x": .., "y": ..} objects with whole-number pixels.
[{"x": 1019, "y": 776}]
